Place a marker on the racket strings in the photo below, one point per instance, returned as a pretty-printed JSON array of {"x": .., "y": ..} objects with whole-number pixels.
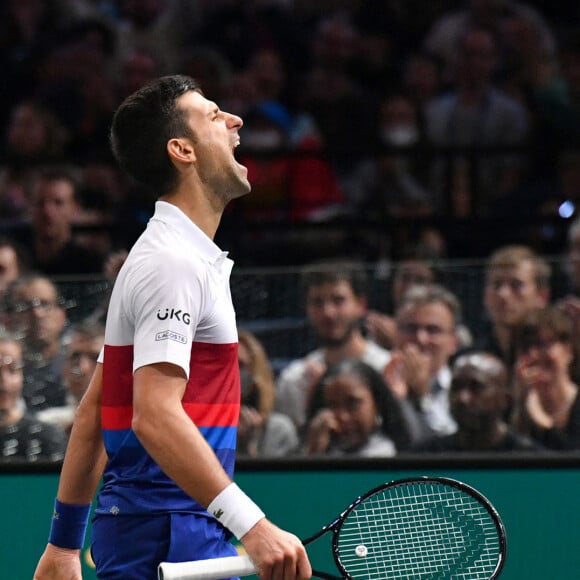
[{"x": 429, "y": 531}]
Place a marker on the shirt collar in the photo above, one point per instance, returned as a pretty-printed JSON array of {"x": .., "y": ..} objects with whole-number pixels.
[{"x": 171, "y": 215}]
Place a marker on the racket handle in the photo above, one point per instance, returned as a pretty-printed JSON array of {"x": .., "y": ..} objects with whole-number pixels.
[{"x": 212, "y": 569}]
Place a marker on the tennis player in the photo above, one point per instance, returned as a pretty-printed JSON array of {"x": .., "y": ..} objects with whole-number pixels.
[{"x": 159, "y": 420}]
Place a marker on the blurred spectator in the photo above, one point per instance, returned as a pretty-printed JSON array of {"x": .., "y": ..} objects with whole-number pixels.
[
  {"x": 479, "y": 397},
  {"x": 137, "y": 68},
  {"x": 353, "y": 413},
  {"x": 554, "y": 193},
  {"x": 547, "y": 402},
  {"x": 162, "y": 27},
  {"x": 427, "y": 318},
  {"x": 336, "y": 302},
  {"x": 556, "y": 98},
  {"x": 284, "y": 186},
  {"x": 338, "y": 103},
  {"x": 22, "y": 436},
  {"x": 34, "y": 136},
  {"x": 262, "y": 432},
  {"x": 55, "y": 208},
  {"x": 213, "y": 72},
  {"x": 570, "y": 301},
  {"x": 391, "y": 183},
  {"x": 516, "y": 281},
  {"x": 497, "y": 16},
  {"x": 13, "y": 263},
  {"x": 422, "y": 78},
  {"x": 75, "y": 79},
  {"x": 414, "y": 269},
  {"x": 82, "y": 344},
  {"x": 475, "y": 114},
  {"x": 35, "y": 313},
  {"x": 25, "y": 26}
]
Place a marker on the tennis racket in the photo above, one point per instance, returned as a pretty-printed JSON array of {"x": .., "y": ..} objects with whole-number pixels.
[{"x": 429, "y": 528}]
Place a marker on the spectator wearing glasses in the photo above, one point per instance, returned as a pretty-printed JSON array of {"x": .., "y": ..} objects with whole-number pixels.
[
  {"x": 427, "y": 319},
  {"x": 82, "y": 345},
  {"x": 35, "y": 312},
  {"x": 547, "y": 403},
  {"x": 22, "y": 436}
]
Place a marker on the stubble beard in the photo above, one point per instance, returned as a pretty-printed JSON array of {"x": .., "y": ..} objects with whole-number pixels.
[{"x": 340, "y": 341}]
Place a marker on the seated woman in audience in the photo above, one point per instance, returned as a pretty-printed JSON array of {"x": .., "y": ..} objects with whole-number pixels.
[
  {"x": 22, "y": 436},
  {"x": 262, "y": 432},
  {"x": 547, "y": 402},
  {"x": 479, "y": 398},
  {"x": 352, "y": 413}
]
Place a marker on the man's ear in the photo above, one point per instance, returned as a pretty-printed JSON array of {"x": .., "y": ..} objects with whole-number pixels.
[{"x": 181, "y": 150}]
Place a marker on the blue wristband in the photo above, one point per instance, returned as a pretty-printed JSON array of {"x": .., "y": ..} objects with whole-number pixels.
[{"x": 69, "y": 525}]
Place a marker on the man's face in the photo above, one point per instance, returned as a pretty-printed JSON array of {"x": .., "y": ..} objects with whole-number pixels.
[
  {"x": 11, "y": 376},
  {"x": 215, "y": 136},
  {"x": 81, "y": 359},
  {"x": 431, "y": 328},
  {"x": 475, "y": 399},
  {"x": 510, "y": 292},
  {"x": 334, "y": 311},
  {"x": 54, "y": 207},
  {"x": 38, "y": 314}
]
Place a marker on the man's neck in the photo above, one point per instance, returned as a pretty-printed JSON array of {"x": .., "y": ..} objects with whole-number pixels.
[
  {"x": 355, "y": 347},
  {"x": 482, "y": 441},
  {"x": 47, "y": 247}
]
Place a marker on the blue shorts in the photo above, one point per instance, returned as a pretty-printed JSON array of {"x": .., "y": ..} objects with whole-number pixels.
[{"x": 132, "y": 547}]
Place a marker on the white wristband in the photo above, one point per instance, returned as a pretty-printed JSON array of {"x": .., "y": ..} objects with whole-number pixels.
[{"x": 235, "y": 510}]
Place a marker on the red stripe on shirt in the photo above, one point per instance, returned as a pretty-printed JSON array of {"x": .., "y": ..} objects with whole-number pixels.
[
  {"x": 205, "y": 415},
  {"x": 114, "y": 418},
  {"x": 118, "y": 376}
]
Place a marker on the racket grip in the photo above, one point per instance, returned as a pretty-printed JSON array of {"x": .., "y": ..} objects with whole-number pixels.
[{"x": 213, "y": 569}]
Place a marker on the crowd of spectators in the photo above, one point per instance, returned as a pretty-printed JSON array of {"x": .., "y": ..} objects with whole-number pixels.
[
  {"x": 417, "y": 120},
  {"x": 385, "y": 112}
]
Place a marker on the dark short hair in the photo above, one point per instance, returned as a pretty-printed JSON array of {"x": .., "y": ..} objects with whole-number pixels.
[
  {"x": 388, "y": 406},
  {"x": 144, "y": 123},
  {"x": 334, "y": 271},
  {"x": 537, "y": 321}
]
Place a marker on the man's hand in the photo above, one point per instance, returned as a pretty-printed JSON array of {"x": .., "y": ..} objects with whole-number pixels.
[
  {"x": 278, "y": 555},
  {"x": 58, "y": 564}
]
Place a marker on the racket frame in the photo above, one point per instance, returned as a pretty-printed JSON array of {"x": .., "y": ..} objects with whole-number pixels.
[{"x": 336, "y": 524}]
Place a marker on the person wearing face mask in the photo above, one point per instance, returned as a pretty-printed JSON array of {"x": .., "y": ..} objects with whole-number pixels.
[
  {"x": 390, "y": 182},
  {"x": 262, "y": 432},
  {"x": 286, "y": 187}
]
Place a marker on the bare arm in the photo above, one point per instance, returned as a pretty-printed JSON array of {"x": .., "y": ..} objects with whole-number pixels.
[
  {"x": 176, "y": 444},
  {"x": 85, "y": 455},
  {"x": 81, "y": 473}
]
